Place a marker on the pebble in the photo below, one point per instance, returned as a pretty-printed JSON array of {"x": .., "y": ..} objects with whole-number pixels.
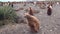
[{"x": 50, "y": 30}]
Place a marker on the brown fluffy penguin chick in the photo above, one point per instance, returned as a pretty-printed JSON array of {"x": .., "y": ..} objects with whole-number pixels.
[{"x": 33, "y": 22}]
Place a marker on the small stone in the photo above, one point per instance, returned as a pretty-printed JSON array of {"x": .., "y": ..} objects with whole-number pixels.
[
  {"x": 39, "y": 15},
  {"x": 40, "y": 27},
  {"x": 45, "y": 26},
  {"x": 58, "y": 3},
  {"x": 50, "y": 30},
  {"x": 54, "y": 15},
  {"x": 55, "y": 28},
  {"x": 40, "y": 12}
]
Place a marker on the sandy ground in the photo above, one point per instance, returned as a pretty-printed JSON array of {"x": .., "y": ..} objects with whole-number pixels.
[{"x": 49, "y": 24}]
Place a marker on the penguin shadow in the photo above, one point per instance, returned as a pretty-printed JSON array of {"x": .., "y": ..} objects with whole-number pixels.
[{"x": 39, "y": 32}]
